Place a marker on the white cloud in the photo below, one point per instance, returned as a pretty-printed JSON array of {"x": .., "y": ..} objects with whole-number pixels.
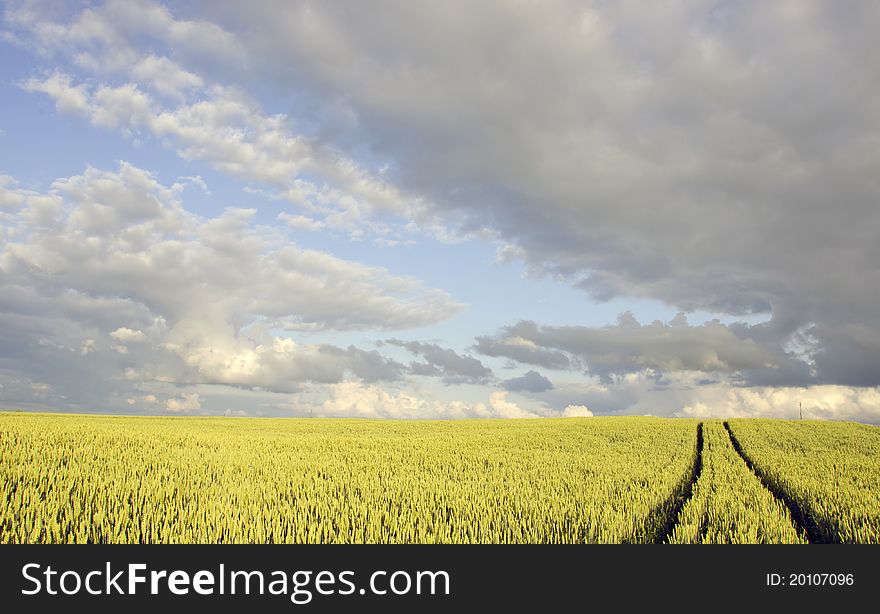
[
  {"x": 818, "y": 403},
  {"x": 124, "y": 107},
  {"x": 165, "y": 77},
  {"x": 501, "y": 407},
  {"x": 186, "y": 299},
  {"x": 186, "y": 403},
  {"x": 141, "y": 17},
  {"x": 228, "y": 130},
  {"x": 354, "y": 399},
  {"x": 87, "y": 347},
  {"x": 128, "y": 335},
  {"x": 68, "y": 98},
  {"x": 198, "y": 182},
  {"x": 9, "y": 196},
  {"x": 223, "y": 267},
  {"x": 273, "y": 363},
  {"x": 699, "y": 395},
  {"x": 101, "y": 38},
  {"x": 204, "y": 120},
  {"x": 576, "y": 411},
  {"x": 301, "y": 222}
]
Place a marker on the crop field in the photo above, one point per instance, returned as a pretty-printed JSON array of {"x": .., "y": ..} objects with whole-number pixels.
[
  {"x": 101, "y": 479},
  {"x": 729, "y": 504},
  {"x": 829, "y": 475}
]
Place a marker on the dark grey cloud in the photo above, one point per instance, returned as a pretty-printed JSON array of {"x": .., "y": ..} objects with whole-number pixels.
[
  {"x": 717, "y": 156},
  {"x": 449, "y": 365},
  {"x": 532, "y": 381},
  {"x": 847, "y": 355},
  {"x": 522, "y": 350},
  {"x": 370, "y": 366},
  {"x": 630, "y": 347}
]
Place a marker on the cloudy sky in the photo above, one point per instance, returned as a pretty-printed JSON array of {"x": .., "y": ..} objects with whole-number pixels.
[{"x": 406, "y": 209}]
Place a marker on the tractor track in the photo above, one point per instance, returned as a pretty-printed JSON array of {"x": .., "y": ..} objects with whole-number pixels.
[
  {"x": 801, "y": 517},
  {"x": 683, "y": 494}
]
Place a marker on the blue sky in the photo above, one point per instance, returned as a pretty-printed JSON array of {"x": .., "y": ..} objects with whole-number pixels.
[{"x": 438, "y": 212}]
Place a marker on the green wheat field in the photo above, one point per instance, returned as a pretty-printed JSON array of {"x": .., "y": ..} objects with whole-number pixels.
[{"x": 98, "y": 479}]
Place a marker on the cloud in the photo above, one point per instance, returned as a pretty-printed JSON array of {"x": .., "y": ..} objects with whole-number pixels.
[
  {"x": 269, "y": 363},
  {"x": 233, "y": 266},
  {"x": 128, "y": 335},
  {"x": 125, "y": 286},
  {"x": 354, "y": 399},
  {"x": 197, "y": 36},
  {"x": 301, "y": 222},
  {"x": 846, "y": 354},
  {"x": 576, "y": 411},
  {"x": 684, "y": 394},
  {"x": 68, "y": 98},
  {"x": 717, "y": 157},
  {"x": 196, "y": 181},
  {"x": 522, "y": 350},
  {"x": 445, "y": 363},
  {"x": 818, "y": 403},
  {"x": 623, "y": 396},
  {"x": 501, "y": 407},
  {"x": 227, "y": 129},
  {"x": 630, "y": 347},
  {"x": 165, "y": 77},
  {"x": 147, "y": 400},
  {"x": 532, "y": 381},
  {"x": 101, "y": 38},
  {"x": 141, "y": 93},
  {"x": 711, "y": 156},
  {"x": 186, "y": 403}
]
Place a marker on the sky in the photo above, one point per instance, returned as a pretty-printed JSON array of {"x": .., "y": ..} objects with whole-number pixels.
[{"x": 415, "y": 210}]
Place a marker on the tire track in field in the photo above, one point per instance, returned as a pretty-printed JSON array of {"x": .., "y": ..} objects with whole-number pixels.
[
  {"x": 801, "y": 517},
  {"x": 683, "y": 494}
]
